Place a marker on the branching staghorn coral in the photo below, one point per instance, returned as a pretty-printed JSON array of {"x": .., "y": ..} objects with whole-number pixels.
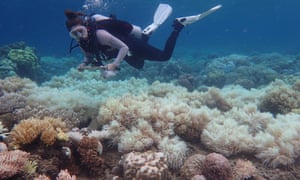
[{"x": 30, "y": 129}]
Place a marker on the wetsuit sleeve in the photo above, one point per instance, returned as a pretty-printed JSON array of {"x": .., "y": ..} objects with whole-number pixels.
[{"x": 105, "y": 38}]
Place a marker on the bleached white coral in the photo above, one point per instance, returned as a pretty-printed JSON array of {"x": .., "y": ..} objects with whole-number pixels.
[
  {"x": 190, "y": 124},
  {"x": 112, "y": 132},
  {"x": 279, "y": 144},
  {"x": 175, "y": 150},
  {"x": 226, "y": 136},
  {"x": 134, "y": 140},
  {"x": 145, "y": 165},
  {"x": 244, "y": 169}
]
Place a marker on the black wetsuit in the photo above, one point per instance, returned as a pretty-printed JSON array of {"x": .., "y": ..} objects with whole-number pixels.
[{"x": 139, "y": 48}]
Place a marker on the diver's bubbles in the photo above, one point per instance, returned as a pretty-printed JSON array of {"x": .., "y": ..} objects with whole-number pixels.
[{"x": 96, "y": 6}]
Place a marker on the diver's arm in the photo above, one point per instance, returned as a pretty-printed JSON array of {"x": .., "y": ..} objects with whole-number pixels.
[
  {"x": 105, "y": 38},
  {"x": 87, "y": 59}
]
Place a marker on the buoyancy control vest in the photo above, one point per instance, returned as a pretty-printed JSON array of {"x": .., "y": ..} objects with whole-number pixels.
[{"x": 117, "y": 28}]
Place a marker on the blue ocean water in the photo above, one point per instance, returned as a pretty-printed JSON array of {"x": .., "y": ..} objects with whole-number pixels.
[{"x": 241, "y": 26}]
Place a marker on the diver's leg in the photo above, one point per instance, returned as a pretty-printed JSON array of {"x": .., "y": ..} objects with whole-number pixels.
[
  {"x": 142, "y": 49},
  {"x": 136, "y": 31}
]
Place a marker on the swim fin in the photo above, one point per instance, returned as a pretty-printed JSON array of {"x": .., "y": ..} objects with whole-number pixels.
[
  {"x": 161, "y": 14},
  {"x": 191, "y": 19}
]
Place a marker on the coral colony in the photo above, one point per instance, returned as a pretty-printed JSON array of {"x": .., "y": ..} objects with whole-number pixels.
[{"x": 212, "y": 126}]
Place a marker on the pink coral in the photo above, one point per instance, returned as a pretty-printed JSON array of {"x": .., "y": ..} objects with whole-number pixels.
[
  {"x": 217, "y": 167},
  {"x": 12, "y": 162},
  {"x": 64, "y": 175}
]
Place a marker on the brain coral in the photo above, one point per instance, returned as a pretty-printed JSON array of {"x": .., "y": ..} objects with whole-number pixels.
[
  {"x": 146, "y": 165},
  {"x": 28, "y": 130}
]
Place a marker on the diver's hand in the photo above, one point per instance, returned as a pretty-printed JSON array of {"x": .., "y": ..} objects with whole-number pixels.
[{"x": 111, "y": 67}]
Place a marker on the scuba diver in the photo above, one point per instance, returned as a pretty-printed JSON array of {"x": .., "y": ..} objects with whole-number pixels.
[{"x": 104, "y": 38}]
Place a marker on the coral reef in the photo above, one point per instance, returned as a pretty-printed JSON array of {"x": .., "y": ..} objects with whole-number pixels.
[
  {"x": 276, "y": 145},
  {"x": 192, "y": 166},
  {"x": 30, "y": 168},
  {"x": 135, "y": 116},
  {"x": 30, "y": 129},
  {"x": 19, "y": 59},
  {"x": 187, "y": 80},
  {"x": 244, "y": 169},
  {"x": 3, "y": 147},
  {"x": 214, "y": 99},
  {"x": 24, "y": 58},
  {"x": 88, "y": 149},
  {"x": 217, "y": 167},
  {"x": 280, "y": 99},
  {"x": 15, "y": 84},
  {"x": 42, "y": 177},
  {"x": 64, "y": 175},
  {"x": 218, "y": 136},
  {"x": 145, "y": 165},
  {"x": 49, "y": 167},
  {"x": 13, "y": 92},
  {"x": 134, "y": 140},
  {"x": 175, "y": 150},
  {"x": 12, "y": 163}
]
